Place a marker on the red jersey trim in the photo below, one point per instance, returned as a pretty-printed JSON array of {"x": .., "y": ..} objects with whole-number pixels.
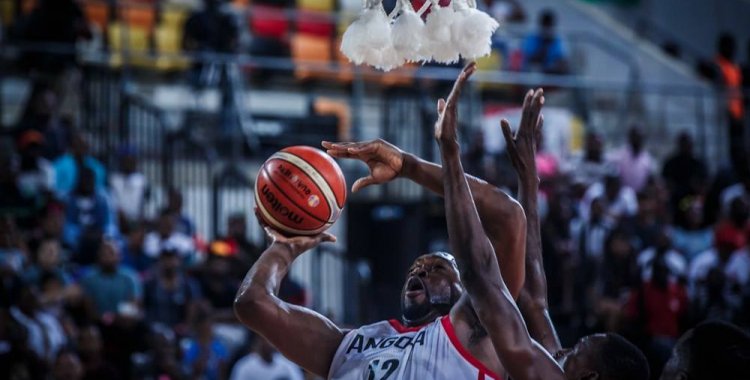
[
  {"x": 451, "y": 332},
  {"x": 401, "y": 329}
]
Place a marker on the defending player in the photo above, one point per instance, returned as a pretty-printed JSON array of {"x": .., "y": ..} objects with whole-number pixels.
[
  {"x": 439, "y": 336},
  {"x": 599, "y": 356}
]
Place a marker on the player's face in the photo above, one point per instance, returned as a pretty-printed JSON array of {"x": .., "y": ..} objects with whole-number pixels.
[
  {"x": 576, "y": 362},
  {"x": 432, "y": 287},
  {"x": 675, "y": 368}
]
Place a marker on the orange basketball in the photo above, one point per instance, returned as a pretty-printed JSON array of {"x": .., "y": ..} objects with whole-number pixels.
[{"x": 300, "y": 190}]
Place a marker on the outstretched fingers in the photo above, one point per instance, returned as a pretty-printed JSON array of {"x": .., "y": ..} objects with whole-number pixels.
[
  {"x": 458, "y": 86},
  {"x": 363, "y": 182}
]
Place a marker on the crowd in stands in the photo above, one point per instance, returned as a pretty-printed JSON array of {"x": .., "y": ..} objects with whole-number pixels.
[
  {"x": 93, "y": 287},
  {"x": 643, "y": 248}
]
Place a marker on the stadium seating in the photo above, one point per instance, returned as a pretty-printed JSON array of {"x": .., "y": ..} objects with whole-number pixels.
[
  {"x": 310, "y": 53},
  {"x": 97, "y": 14},
  {"x": 168, "y": 43},
  {"x": 130, "y": 41}
]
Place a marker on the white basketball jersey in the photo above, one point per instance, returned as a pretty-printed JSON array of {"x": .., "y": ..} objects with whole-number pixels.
[{"x": 387, "y": 350}]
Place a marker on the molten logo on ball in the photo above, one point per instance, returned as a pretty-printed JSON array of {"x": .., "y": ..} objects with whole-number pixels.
[
  {"x": 313, "y": 201},
  {"x": 279, "y": 208}
]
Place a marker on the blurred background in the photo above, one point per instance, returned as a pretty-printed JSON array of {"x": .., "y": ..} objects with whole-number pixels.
[{"x": 131, "y": 133}]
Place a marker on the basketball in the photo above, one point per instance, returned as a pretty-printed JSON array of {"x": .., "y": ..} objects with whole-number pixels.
[{"x": 300, "y": 190}]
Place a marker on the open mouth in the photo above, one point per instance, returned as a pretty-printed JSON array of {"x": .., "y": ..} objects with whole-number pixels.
[{"x": 414, "y": 287}]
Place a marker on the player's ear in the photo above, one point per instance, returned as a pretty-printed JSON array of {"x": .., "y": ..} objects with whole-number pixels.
[
  {"x": 681, "y": 376},
  {"x": 589, "y": 375}
]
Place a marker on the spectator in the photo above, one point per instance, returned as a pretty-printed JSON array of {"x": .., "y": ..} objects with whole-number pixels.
[
  {"x": 67, "y": 366},
  {"x": 264, "y": 362},
  {"x": 660, "y": 305},
  {"x": 205, "y": 356},
  {"x": 67, "y": 167},
  {"x": 160, "y": 361},
  {"x": 505, "y": 10},
  {"x": 591, "y": 167},
  {"x": 111, "y": 287},
  {"x": 634, "y": 163},
  {"x": 248, "y": 252},
  {"x": 693, "y": 237},
  {"x": 48, "y": 260},
  {"x": 59, "y": 23},
  {"x": 13, "y": 251},
  {"x": 184, "y": 224},
  {"x": 589, "y": 236},
  {"x": 543, "y": 50},
  {"x": 87, "y": 211},
  {"x": 620, "y": 200},
  {"x": 619, "y": 275},
  {"x": 42, "y": 114},
  {"x": 168, "y": 238},
  {"x": 44, "y": 335},
  {"x": 645, "y": 226},
  {"x": 133, "y": 250},
  {"x": 740, "y": 190},
  {"x": 217, "y": 284},
  {"x": 729, "y": 76},
  {"x": 129, "y": 188},
  {"x": 738, "y": 267},
  {"x": 663, "y": 250},
  {"x": 90, "y": 346},
  {"x": 685, "y": 174},
  {"x": 727, "y": 240},
  {"x": 36, "y": 177},
  {"x": 169, "y": 295},
  {"x": 558, "y": 248},
  {"x": 13, "y": 203},
  {"x": 209, "y": 30}
]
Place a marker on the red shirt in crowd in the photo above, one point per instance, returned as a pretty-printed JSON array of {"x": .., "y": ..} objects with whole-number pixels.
[{"x": 662, "y": 308}]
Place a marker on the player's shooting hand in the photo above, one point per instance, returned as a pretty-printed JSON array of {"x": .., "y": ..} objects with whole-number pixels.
[
  {"x": 384, "y": 159},
  {"x": 447, "y": 124},
  {"x": 522, "y": 147},
  {"x": 298, "y": 244}
]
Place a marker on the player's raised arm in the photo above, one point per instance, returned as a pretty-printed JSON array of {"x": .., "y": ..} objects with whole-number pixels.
[
  {"x": 497, "y": 209},
  {"x": 522, "y": 151},
  {"x": 302, "y": 335},
  {"x": 480, "y": 272}
]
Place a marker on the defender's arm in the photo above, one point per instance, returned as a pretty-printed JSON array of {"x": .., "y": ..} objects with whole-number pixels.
[
  {"x": 522, "y": 150},
  {"x": 480, "y": 272}
]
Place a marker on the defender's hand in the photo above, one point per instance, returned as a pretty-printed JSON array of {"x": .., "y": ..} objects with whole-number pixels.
[
  {"x": 384, "y": 159},
  {"x": 447, "y": 124},
  {"x": 522, "y": 147},
  {"x": 298, "y": 244}
]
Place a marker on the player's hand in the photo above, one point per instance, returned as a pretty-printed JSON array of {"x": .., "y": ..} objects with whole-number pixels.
[
  {"x": 447, "y": 124},
  {"x": 522, "y": 147},
  {"x": 384, "y": 159},
  {"x": 298, "y": 244}
]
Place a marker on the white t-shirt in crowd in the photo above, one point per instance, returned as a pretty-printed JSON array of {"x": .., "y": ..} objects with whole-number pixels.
[
  {"x": 675, "y": 262},
  {"x": 128, "y": 193},
  {"x": 738, "y": 267},
  {"x": 252, "y": 367},
  {"x": 624, "y": 205}
]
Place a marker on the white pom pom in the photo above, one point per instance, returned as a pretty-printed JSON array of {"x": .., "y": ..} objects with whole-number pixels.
[
  {"x": 438, "y": 31},
  {"x": 367, "y": 36},
  {"x": 472, "y": 31},
  {"x": 388, "y": 59},
  {"x": 408, "y": 35}
]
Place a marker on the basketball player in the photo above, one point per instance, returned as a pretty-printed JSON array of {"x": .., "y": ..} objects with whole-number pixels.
[
  {"x": 599, "y": 356},
  {"x": 711, "y": 350},
  {"x": 439, "y": 336}
]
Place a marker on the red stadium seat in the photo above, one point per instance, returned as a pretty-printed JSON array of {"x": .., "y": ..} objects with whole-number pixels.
[{"x": 269, "y": 22}]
